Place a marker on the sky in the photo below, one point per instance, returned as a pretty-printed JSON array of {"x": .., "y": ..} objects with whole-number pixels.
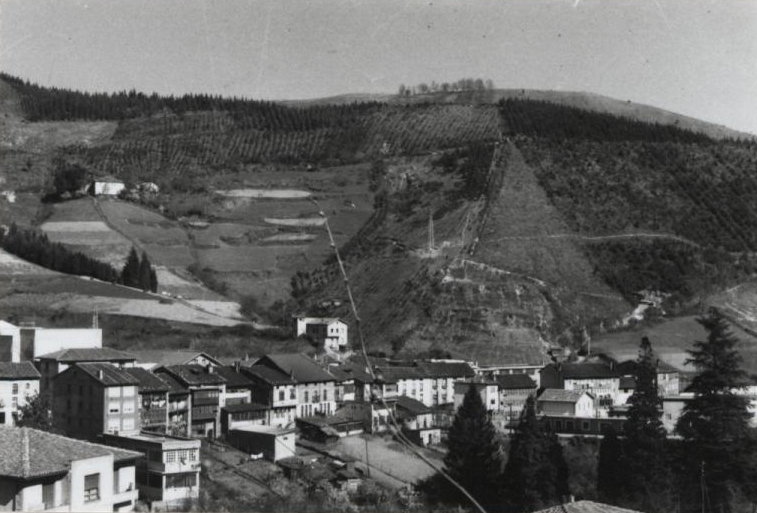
[{"x": 695, "y": 57}]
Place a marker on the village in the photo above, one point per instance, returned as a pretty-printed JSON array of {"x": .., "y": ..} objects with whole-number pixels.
[{"x": 142, "y": 429}]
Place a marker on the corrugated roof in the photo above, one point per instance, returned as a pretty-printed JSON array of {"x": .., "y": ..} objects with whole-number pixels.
[
  {"x": 105, "y": 373},
  {"x": 29, "y": 453},
  {"x": 194, "y": 375},
  {"x": 561, "y": 396},
  {"x": 269, "y": 375},
  {"x": 514, "y": 381},
  {"x": 233, "y": 378},
  {"x": 18, "y": 370},
  {"x": 302, "y": 368},
  {"x": 88, "y": 354},
  {"x": 586, "y": 507},
  {"x": 446, "y": 369},
  {"x": 148, "y": 382}
]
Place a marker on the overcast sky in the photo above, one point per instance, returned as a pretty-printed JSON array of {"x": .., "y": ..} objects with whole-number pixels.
[{"x": 696, "y": 57}]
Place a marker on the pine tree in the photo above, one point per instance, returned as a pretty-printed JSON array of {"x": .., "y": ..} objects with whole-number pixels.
[
  {"x": 535, "y": 474},
  {"x": 473, "y": 458},
  {"x": 647, "y": 477},
  {"x": 153, "y": 280},
  {"x": 609, "y": 471},
  {"x": 715, "y": 423},
  {"x": 144, "y": 272},
  {"x": 130, "y": 272}
]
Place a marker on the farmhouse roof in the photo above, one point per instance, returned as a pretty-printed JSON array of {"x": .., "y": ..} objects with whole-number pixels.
[
  {"x": 411, "y": 405},
  {"x": 163, "y": 357},
  {"x": 28, "y": 453},
  {"x": 104, "y": 373},
  {"x": 302, "y": 368},
  {"x": 514, "y": 381},
  {"x": 108, "y": 178},
  {"x": 559, "y": 395},
  {"x": 88, "y": 354},
  {"x": 20, "y": 370},
  {"x": 586, "y": 507},
  {"x": 446, "y": 369},
  {"x": 584, "y": 370},
  {"x": 194, "y": 375},
  {"x": 232, "y": 377},
  {"x": 148, "y": 382},
  {"x": 269, "y": 375}
]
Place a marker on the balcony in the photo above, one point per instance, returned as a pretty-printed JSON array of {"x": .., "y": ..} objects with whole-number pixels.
[
  {"x": 130, "y": 495},
  {"x": 173, "y": 467}
]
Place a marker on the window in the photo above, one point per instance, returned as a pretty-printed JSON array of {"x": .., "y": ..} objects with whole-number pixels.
[
  {"x": 114, "y": 425},
  {"x": 113, "y": 391},
  {"x": 48, "y": 495},
  {"x": 558, "y": 424},
  {"x": 114, "y": 407},
  {"x": 15, "y": 402},
  {"x": 306, "y": 396},
  {"x": 128, "y": 407},
  {"x": 128, "y": 424},
  {"x": 281, "y": 395},
  {"x": 15, "y": 388},
  {"x": 585, "y": 425},
  {"x": 292, "y": 393},
  {"x": 186, "y": 480},
  {"x": 91, "y": 487}
]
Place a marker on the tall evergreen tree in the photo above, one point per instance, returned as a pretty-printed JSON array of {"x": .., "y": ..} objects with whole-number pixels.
[
  {"x": 715, "y": 423},
  {"x": 130, "y": 272},
  {"x": 144, "y": 272},
  {"x": 153, "y": 280},
  {"x": 647, "y": 477},
  {"x": 473, "y": 457},
  {"x": 534, "y": 475},
  {"x": 609, "y": 471}
]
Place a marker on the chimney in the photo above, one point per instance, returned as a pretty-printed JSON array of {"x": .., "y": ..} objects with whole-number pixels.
[
  {"x": 99, "y": 374},
  {"x": 237, "y": 365}
]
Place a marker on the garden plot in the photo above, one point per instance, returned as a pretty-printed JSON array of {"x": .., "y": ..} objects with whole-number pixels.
[
  {"x": 81, "y": 209},
  {"x": 142, "y": 225},
  {"x": 179, "y": 255}
]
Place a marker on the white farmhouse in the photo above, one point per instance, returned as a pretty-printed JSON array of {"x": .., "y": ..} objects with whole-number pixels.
[
  {"x": 329, "y": 332},
  {"x": 106, "y": 186}
]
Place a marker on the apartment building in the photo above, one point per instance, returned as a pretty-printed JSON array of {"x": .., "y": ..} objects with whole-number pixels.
[
  {"x": 206, "y": 388},
  {"x": 273, "y": 389},
  {"x": 179, "y": 407},
  {"x": 90, "y": 399},
  {"x": 54, "y": 363},
  {"x": 19, "y": 383},
  {"x": 315, "y": 387},
  {"x": 153, "y": 399}
]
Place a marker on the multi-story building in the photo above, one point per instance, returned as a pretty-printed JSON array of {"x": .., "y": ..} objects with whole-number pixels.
[
  {"x": 168, "y": 471},
  {"x": 668, "y": 377},
  {"x": 94, "y": 398},
  {"x": 514, "y": 389},
  {"x": 238, "y": 386},
  {"x": 314, "y": 386},
  {"x": 601, "y": 380},
  {"x": 27, "y": 341},
  {"x": 179, "y": 407},
  {"x": 275, "y": 390},
  {"x": 329, "y": 333},
  {"x": 430, "y": 382},
  {"x": 56, "y": 362},
  {"x": 153, "y": 399},
  {"x": 206, "y": 388},
  {"x": 417, "y": 421},
  {"x": 488, "y": 390},
  {"x": 40, "y": 471},
  {"x": 19, "y": 383}
]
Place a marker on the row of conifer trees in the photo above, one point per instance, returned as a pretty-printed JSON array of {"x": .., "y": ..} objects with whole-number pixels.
[
  {"x": 711, "y": 465},
  {"x": 36, "y": 247}
]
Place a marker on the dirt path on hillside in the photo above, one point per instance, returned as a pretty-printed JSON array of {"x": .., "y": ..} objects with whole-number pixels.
[{"x": 600, "y": 238}]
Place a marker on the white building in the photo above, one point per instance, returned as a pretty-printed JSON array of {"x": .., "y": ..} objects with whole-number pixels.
[
  {"x": 328, "y": 332},
  {"x": 40, "y": 471},
  {"x": 28, "y": 342},
  {"x": 555, "y": 402},
  {"x": 488, "y": 390},
  {"x": 106, "y": 186},
  {"x": 19, "y": 383}
]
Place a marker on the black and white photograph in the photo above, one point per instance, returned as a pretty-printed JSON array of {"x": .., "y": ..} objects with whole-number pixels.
[{"x": 377, "y": 256}]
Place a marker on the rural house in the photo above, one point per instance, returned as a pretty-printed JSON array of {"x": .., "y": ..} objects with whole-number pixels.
[
  {"x": 328, "y": 332},
  {"x": 417, "y": 421},
  {"x": 107, "y": 185},
  {"x": 19, "y": 382},
  {"x": 28, "y": 341},
  {"x": 42, "y": 471},
  {"x": 152, "y": 358},
  {"x": 238, "y": 386},
  {"x": 94, "y": 398}
]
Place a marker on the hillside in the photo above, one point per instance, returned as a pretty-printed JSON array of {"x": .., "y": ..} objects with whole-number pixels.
[{"x": 551, "y": 211}]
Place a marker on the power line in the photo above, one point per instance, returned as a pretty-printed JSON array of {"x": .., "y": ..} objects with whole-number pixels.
[{"x": 400, "y": 436}]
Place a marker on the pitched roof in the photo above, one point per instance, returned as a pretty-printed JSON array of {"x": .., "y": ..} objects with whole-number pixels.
[
  {"x": 108, "y": 178},
  {"x": 397, "y": 373},
  {"x": 104, "y": 373},
  {"x": 163, "y": 357},
  {"x": 347, "y": 372},
  {"x": 88, "y": 354},
  {"x": 446, "y": 369},
  {"x": 269, "y": 375},
  {"x": 412, "y": 405},
  {"x": 514, "y": 381},
  {"x": 194, "y": 375},
  {"x": 174, "y": 386},
  {"x": 148, "y": 382},
  {"x": 561, "y": 396},
  {"x": 232, "y": 377},
  {"x": 585, "y": 370},
  {"x": 21, "y": 370},
  {"x": 236, "y": 408},
  {"x": 585, "y": 507},
  {"x": 302, "y": 368},
  {"x": 29, "y": 453}
]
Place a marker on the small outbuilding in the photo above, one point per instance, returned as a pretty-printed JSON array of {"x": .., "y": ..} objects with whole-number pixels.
[
  {"x": 273, "y": 443},
  {"x": 106, "y": 186}
]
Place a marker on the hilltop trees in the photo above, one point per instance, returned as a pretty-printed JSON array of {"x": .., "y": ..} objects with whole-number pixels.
[
  {"x": 719, "y": 449},
  {"x": 536, "y": 473},
  {"x": 464, "y": 84},
  {"x": 473, "y": 458}
]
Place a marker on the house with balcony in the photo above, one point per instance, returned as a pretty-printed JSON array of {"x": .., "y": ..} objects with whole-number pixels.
[
  {"x": 315, "y": 387},
  {"x": 238, "y": 386},
  {"x": 168, "y": 470},
  {"x": 273, "y": 389},
  {"x": 19, "y": 383},
  {"x": 417, "y": 421},
  {"x": 244, "y": 415},
  {"x": 179, "y": 407},
  {"x": 51, "y": 364},
  {"x": 94, "y": 398},
  {"x": 347, "y": 377},
  {"x": 206, "y": 388},
  {"x": 40, "y": 471},
  {"x": 153, "y": 399}
]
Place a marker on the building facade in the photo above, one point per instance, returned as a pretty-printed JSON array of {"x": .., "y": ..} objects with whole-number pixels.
[{"x": 19, "y": 383}]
